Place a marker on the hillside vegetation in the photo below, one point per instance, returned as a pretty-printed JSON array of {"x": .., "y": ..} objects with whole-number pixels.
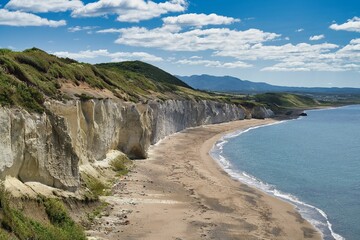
[
  {"x": 28, "y": 78},
  {"x": 281, "y": 101},
  {"x": 145, "y": 69},
  {"x": 50, "y": 221}
]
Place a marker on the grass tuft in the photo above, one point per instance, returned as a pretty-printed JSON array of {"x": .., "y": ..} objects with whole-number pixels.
[
  {"x": 96, "y": 186},
  {"x": 121, "y": 165}
]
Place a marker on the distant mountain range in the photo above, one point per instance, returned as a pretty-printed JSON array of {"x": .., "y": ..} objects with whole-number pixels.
[{"x": 233, "y": 84}]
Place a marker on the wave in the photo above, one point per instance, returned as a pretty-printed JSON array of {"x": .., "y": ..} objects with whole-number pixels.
[{"x": 317, "y": 217}]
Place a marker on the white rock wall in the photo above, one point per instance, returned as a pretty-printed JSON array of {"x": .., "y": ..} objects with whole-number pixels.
[
  {"x": 49, "y": 148},
  {"x": 37, "y": 148}
]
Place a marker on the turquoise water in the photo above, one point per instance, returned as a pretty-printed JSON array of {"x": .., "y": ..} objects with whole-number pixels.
[{"x": 312, "y": 162}]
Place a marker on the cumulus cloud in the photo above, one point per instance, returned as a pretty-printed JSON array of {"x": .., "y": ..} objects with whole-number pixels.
[
  {"x": 299, "y": 30},
  {"x": 301, "y": 57},
  {"x": 21, "y": 19},
  {"x": 270, "y": 52},
  {"x": 343, "y": 59},
  {"x": 243, "y": 48},
  {"x": 130, "y": 10},
  {"x": 352, "y": 25},
  {"x": 305, "y": 67},
  {"x": 44, "y": 5},
  {"x": 351, "y": 51},
  {"x": 199, "y": 20},
  {"x": 317, "y": 37},
  {"x": 211, "y": 63},
  {"x": 193, "y": 40},
  {"x": 173, "y": 35},
  {"x": 114, "y": 56}
]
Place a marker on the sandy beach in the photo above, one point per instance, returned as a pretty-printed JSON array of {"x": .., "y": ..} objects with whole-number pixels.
[{"x": 180, "y": 192}]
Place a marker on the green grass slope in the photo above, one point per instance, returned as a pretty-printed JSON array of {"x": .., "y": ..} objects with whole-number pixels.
[
  {"x": 30, "y": 77},
  {"x": 27, "y": 78},
  {"x": 280, "y": 102},
  {"x": 149, "y": 71}
]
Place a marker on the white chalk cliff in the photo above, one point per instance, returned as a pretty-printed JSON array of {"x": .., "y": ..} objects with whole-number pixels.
[{"x": 49, "y": 148}]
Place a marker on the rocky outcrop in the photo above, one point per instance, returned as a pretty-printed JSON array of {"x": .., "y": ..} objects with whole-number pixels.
[
  {"x": 49, "y": 148},
  {"x": 173, "y": 116},
  {"x": 37, "y": 148},
  {"x": 260, "y": 112}
]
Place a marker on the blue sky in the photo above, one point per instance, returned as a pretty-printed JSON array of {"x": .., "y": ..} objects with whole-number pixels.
[{"x": 282, "y": 42}]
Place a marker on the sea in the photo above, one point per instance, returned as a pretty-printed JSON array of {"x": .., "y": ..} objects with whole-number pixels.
[{"x": 312, "y": 162}]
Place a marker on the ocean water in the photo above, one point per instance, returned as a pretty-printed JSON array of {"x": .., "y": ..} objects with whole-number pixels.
[{"x": 312, "y": 162}]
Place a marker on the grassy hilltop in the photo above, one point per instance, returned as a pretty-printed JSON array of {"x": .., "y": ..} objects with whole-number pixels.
[{"x": 28, "y": 78}]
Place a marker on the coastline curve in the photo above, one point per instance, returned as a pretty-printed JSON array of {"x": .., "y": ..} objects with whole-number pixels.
[{"x": 315, "y": 216}]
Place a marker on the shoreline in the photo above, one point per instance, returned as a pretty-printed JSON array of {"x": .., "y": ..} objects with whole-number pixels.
[
  {"x": 301, "y": 207},
  {"x": 181, "y": 192}
]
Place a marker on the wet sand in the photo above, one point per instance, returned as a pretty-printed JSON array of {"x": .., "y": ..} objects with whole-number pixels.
[{"x": 180, "y": 192}]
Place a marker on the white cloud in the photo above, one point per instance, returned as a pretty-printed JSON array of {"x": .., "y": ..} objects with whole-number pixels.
[
  {"x": 343, "y": 59},
  {"x": 110, "y": 30},
  {"x": 80, "y": 28},
  {"x": 130, "y": 10},
  {"x": 299, "y": 30},
  {"x": 351, "y": 51},
  {"x": 306, "y": 66},
  {"x": 244, "y": 47},
  {"x": 270, "y": 52},
  {"x": 317, "y": 37},
  {"x": 44, "y": 5},
  {"x": 199, "y": 20},
  {"x": 352, "y": 25},
  {"x": 21, "y": 19},
  {"x": 143, "y": 56},
  {"x": 276, "y": 68},
  {"x": 114, "y": 57},
  {"x": 210, "y": 63},
  {"x": 193, "y": 40}
]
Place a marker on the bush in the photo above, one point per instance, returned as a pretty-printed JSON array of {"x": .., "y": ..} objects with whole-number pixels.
[
  {"x": 59, "y": 217},
  {"x": 34, "y": 62},
  {"x": 13, "y": 221},
  {"x": 57, "y": 212},
  {"x": 14, "y": 68},
  {"x": 5, "y": 51},
  {"x": 5, "y": 235},
  {"x": 83, "y": 96},
  {"x": 121, "y": 164},
  {"x": 94, "y": 185},
  {"x": 30, "y": 98},
  {"x": 17, "y": 93}
]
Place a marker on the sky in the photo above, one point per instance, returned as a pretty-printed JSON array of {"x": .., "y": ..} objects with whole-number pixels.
[{"x": 281, "y": 42}]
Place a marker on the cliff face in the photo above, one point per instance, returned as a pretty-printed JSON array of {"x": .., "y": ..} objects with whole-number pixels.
[
  {"x": 49, "y": 148},
  {"x": 174, "y": 116},
  {"x": 37, "y": 148},
  {"x": 261, "y": 113}
]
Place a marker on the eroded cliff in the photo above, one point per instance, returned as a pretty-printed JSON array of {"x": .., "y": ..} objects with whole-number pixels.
[{"x": 49, "y": 147}]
